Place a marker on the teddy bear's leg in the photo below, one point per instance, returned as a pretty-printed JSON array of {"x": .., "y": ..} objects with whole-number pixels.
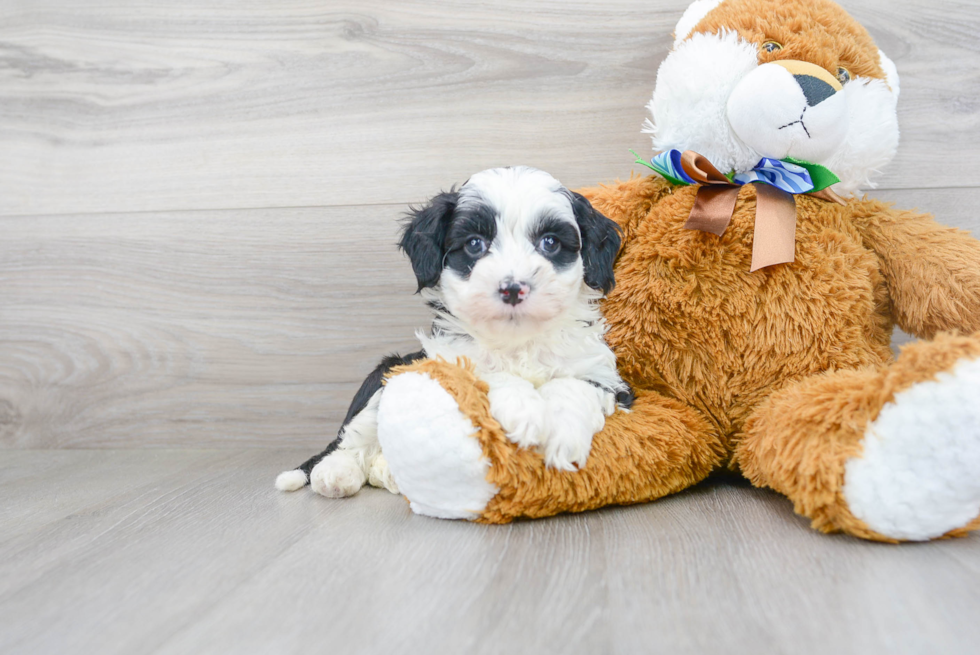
[
  {"x": 428, "y": 443},
  {"x": 451, "y": 458},
  {"x": 890, "y": 454}
]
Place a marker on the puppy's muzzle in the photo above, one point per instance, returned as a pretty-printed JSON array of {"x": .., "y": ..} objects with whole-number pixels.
[{"x": 513, "y": 293}]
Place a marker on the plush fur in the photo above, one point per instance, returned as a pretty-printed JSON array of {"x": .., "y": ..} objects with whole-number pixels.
[
  {"x": 645, "y": 453},
  {"x": 721, "y": 93},
  {"x": 785, "y": 373},
  {"x": 809, "y": 441},
  {"x": 433, "y": 440},
  {"x": 513, "y": 266}
]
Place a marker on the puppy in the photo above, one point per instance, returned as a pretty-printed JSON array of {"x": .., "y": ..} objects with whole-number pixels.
[{"x": 513, "y": 266}]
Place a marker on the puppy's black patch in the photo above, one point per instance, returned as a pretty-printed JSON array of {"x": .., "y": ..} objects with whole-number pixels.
[
  {"x": 567, "y": 239},
  {"x": 368, "y": 388},
  {"x": 424, "y": 237},
  {"x": 600, "y": 243},
  {"x": 477, "y": 222},
  {"x": 626, "y": 398}
]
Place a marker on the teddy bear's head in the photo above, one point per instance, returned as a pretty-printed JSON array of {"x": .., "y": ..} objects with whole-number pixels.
[{"x": 796, "y": 79}]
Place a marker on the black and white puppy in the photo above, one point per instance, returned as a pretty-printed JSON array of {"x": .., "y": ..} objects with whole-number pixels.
[{"x": 513, "y": 265}]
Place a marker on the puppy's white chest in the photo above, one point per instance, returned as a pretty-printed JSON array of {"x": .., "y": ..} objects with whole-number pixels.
[{"x": 537, "y": 363}]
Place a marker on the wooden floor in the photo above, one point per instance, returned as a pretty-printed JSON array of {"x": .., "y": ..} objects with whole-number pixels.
[
  {"x": 180, "y": 552},
  {"x": 198, "y": 202}
]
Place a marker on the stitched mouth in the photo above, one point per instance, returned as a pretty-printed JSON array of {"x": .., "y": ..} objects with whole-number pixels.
[{"x": 799, "y": 122}]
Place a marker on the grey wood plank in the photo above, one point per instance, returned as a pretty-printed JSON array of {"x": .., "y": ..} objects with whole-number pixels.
[
  {"x": 134, "y": 106},
  {"x": 216, "y": 328},
  {"x": 140, "y": 563},
  {"x": 40, "y": 489},
  {"x": 953, "y": 207},
  {"x": 212, "y": 560},
  {"x": 210, "y": 328},
  {"x": 782, "y": 588}
]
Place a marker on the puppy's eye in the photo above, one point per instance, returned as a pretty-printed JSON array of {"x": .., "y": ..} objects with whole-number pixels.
[
  {"x": 843, "y": 75},
  {"x": 772, "y": 46},
  {"x": 549, "y": 245},
  {"x": 475, "y": 246}
]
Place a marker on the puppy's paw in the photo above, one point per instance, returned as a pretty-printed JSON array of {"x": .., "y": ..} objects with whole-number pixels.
[
  {"x": 379, "y": 475},
  {"x": 338, "y": 475},
  {"x": 567, "y": 447},
  {"x": 575, "y": 411},
  {"x": 608, "y": 403},
  {"x": 519, "y": 408},
  {"x": 522, "y": 419}
]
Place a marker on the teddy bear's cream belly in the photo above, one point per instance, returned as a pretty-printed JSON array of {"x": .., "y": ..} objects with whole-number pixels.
[{"x": 688, "y": 318}]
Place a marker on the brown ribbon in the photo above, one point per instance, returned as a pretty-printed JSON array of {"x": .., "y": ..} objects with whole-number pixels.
[
  {"x": 715, "y": 202},
  {"x": 774, "y": 239}
]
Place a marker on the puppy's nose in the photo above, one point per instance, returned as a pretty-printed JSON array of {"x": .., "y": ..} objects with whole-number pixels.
[{"x": 513, "y": 293}]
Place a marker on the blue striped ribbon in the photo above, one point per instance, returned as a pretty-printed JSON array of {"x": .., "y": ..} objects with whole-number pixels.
[
  {"x": 668, "y": 164},
  {"x": 780, "y": 174}
]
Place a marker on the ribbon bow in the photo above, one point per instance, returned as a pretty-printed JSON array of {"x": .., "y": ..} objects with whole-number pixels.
[{"x": 777, "y": 181}]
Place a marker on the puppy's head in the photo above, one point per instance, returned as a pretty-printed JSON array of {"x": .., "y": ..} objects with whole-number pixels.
[{"x": 511, "y": 251}]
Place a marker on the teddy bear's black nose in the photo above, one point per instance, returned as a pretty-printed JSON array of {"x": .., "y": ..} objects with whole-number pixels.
[{"x": 815, "y": 89}]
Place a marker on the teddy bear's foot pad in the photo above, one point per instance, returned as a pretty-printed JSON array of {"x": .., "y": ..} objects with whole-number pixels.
[
  {"x": 919, "y": 473},
  {"x": 432, "y": 454}
]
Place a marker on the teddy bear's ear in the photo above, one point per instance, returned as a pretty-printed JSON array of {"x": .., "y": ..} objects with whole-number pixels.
[
  {"x": 424, "y": 237},
  {"x": 692, "y": 16},
  {"x": 891, "y": 73},
  {"x": 600, "y": 244}
]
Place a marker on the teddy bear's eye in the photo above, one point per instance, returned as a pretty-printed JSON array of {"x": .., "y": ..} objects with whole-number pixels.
[
  {"x": 772, "y": 46},
  {"x": 843, "y": 75}
]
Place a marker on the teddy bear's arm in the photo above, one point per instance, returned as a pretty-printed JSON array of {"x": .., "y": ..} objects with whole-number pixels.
[
  {"x": 629, "y": 202},
  {"x": 452, "y": 459},
  {"x": 932, "y": 271}
]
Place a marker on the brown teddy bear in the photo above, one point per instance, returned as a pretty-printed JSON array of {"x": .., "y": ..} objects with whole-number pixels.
[{"x": 753, "y": 308}]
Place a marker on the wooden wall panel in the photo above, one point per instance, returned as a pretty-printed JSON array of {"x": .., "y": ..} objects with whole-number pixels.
[
  {"x": 198, "y": 328},
  {"x": 135, "y": 106},
  {"x": 197, "y": 200},
  {"x": 214, "y": 328}
]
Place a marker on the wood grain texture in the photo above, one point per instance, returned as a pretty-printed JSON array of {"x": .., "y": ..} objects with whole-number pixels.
[
  {"x": 216, "y": 328},
  {"x": 197, "y": 218},
  {"x": 136, "y": 106},
  {"x": 208, "y": 328},
  {"x": 179, "y": 552}
]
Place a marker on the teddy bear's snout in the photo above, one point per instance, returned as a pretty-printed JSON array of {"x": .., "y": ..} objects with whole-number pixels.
[
  {"x": 789, "y": 109},
  {"x": 816, "y": 83},
  {"x": 815, "y": 90}
]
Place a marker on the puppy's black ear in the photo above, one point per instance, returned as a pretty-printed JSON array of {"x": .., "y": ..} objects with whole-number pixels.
[
  {"x": 424, "y": 237},
  {"x": 600, "y": 243}
]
